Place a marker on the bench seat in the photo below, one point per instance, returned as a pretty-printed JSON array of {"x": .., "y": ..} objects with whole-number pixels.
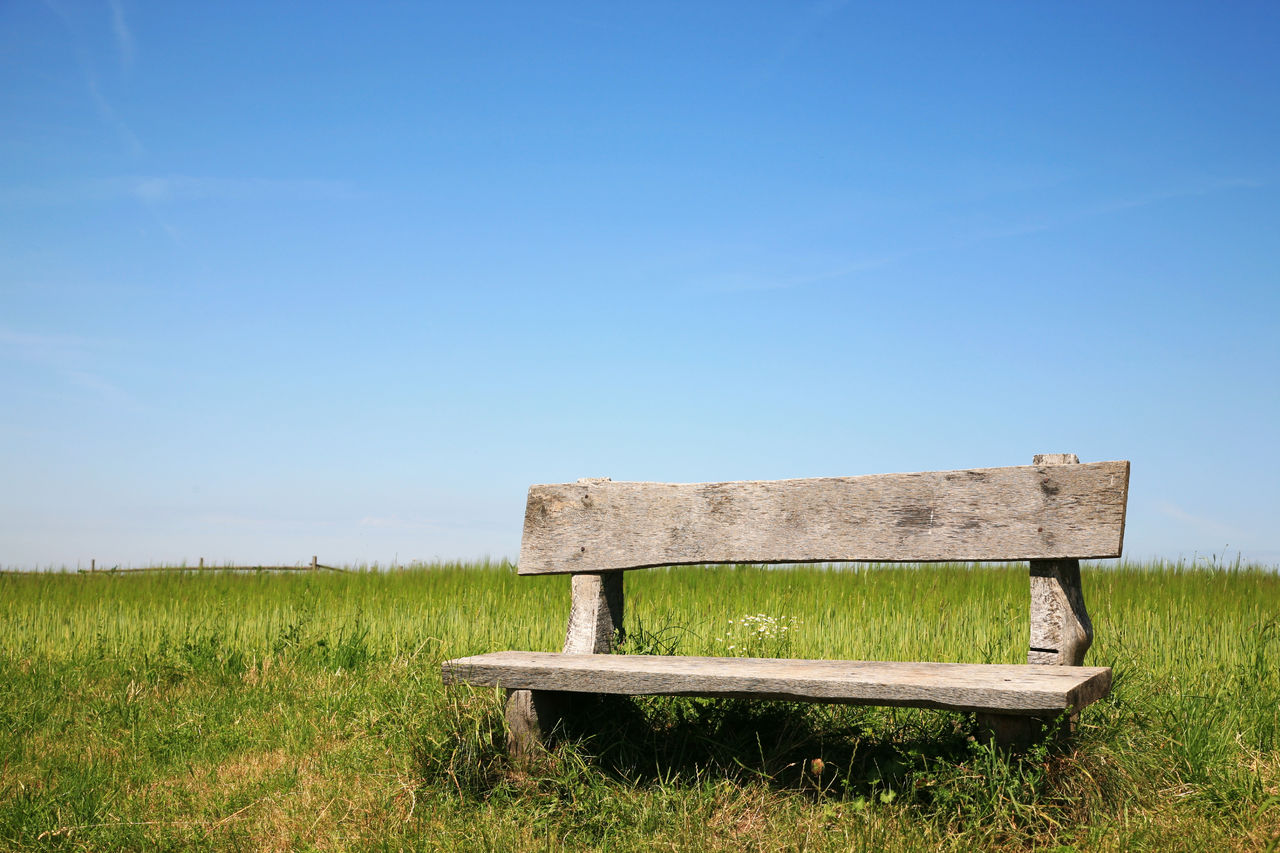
[{"x": 983, "y": 688}]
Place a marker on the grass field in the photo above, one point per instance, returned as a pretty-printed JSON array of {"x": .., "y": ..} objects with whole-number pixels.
[{"x": 233, "y": 711}]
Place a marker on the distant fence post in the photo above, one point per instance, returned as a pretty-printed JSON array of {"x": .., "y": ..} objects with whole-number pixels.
[{"x": 315, "y": 563}]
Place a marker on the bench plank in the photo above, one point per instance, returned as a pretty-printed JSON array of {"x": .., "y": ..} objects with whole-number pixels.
[
  {"x": 1031, "y": 512},
  {"x": 984, "y": 688}
]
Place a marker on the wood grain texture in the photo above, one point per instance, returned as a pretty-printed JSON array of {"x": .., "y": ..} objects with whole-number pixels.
[
  {"x": 991, "y": 688},
  {"x": 595, "y": 623},
  {"x": 1015, "y": 731},
  {"x": 532, "y": 717},
  {"x": 1061, "y": 631},
  {"x": 1055, "y": 459},
  {"x": 595, "y": 613},
  {"x": 997, "y": 514}
]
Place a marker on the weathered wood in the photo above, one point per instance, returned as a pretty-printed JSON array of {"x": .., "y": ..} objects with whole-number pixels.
[
  {"x": 1034, "y": 512},
  {"x": 1014, "y": 731},
  {"x": 1055, "y": 459},
  {"x": 595, "y": 624},
  {"x": 1008, "y": 731},
  {"x": 595, "y": 613},
  {"x": 988, "y": 688},
  {"x": 1052, "y": 513},
  {"x": 532, "y": 716},
  {"x": 1061, "y": 631}
]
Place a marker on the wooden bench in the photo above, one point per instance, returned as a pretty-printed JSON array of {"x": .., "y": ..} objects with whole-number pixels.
[{"x": 1052, "y": 514}]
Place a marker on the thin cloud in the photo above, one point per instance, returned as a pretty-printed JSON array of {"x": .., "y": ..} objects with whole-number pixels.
[
  {"x": 246, "y": 522},
  {"x": 1175, "y": 193},
  {"x": 111, "y": 117},
  {"x": 743, "y": 284},
  {"x": 41, "y": 344},
  {"x": 73, "y": 359},
  {"x": 124, "y": 43},
  {"x": 173, "y": 233},
  {"x": 861, "y": 265},
  {"x": 1201, "y": 523},
  {"x": 395, "y": 522},
  {"x": 388, "y": 523},
  {"x": 171, "y": 188},
  {"x": 124, "y": 36},
  {"x": 167, "y": 189},
  {"x": 98, "y": 386}
]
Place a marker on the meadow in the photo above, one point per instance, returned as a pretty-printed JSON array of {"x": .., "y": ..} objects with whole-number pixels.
[{"x": 216, "y": 710}]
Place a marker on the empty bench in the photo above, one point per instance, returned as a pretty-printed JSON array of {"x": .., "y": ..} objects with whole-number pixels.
[{"x": 1051, "y": 514}]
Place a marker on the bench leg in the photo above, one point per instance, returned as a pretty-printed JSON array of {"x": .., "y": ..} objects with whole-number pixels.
[
  {"x": 595, "y": 621},
  {"x": 1018, "y": 731},
  {"x": 532, "y": 717}
]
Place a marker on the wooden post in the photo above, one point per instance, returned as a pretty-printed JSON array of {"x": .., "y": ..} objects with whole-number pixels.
[
  {"x": 595, "y": 613},
  {"x": 1016, "y": 731},
  {"x": 595, "y": 625},
  {"x": 532, "y": 715},
  {"x": 1060, "y": 628},
  {"x": 315, "y": 563},
  {"x": 1060, "y": 631}
]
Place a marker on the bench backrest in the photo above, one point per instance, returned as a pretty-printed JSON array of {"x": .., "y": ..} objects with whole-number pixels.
[{"x": 1047, "y": 511}]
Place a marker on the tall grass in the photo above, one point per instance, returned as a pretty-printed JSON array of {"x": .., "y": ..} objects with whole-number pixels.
[
  {"x": 177, "y": 709},
  {"x": 1170, "y": 619}
]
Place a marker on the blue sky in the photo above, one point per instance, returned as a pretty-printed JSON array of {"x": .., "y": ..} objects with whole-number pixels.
[{"x": 344, "y": 279}]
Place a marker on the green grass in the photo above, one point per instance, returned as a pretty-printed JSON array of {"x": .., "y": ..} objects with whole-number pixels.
[{"x": 197, "y": 710}]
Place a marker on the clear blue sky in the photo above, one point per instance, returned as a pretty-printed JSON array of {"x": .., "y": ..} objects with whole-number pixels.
[{"x": 345, "y": 278}]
